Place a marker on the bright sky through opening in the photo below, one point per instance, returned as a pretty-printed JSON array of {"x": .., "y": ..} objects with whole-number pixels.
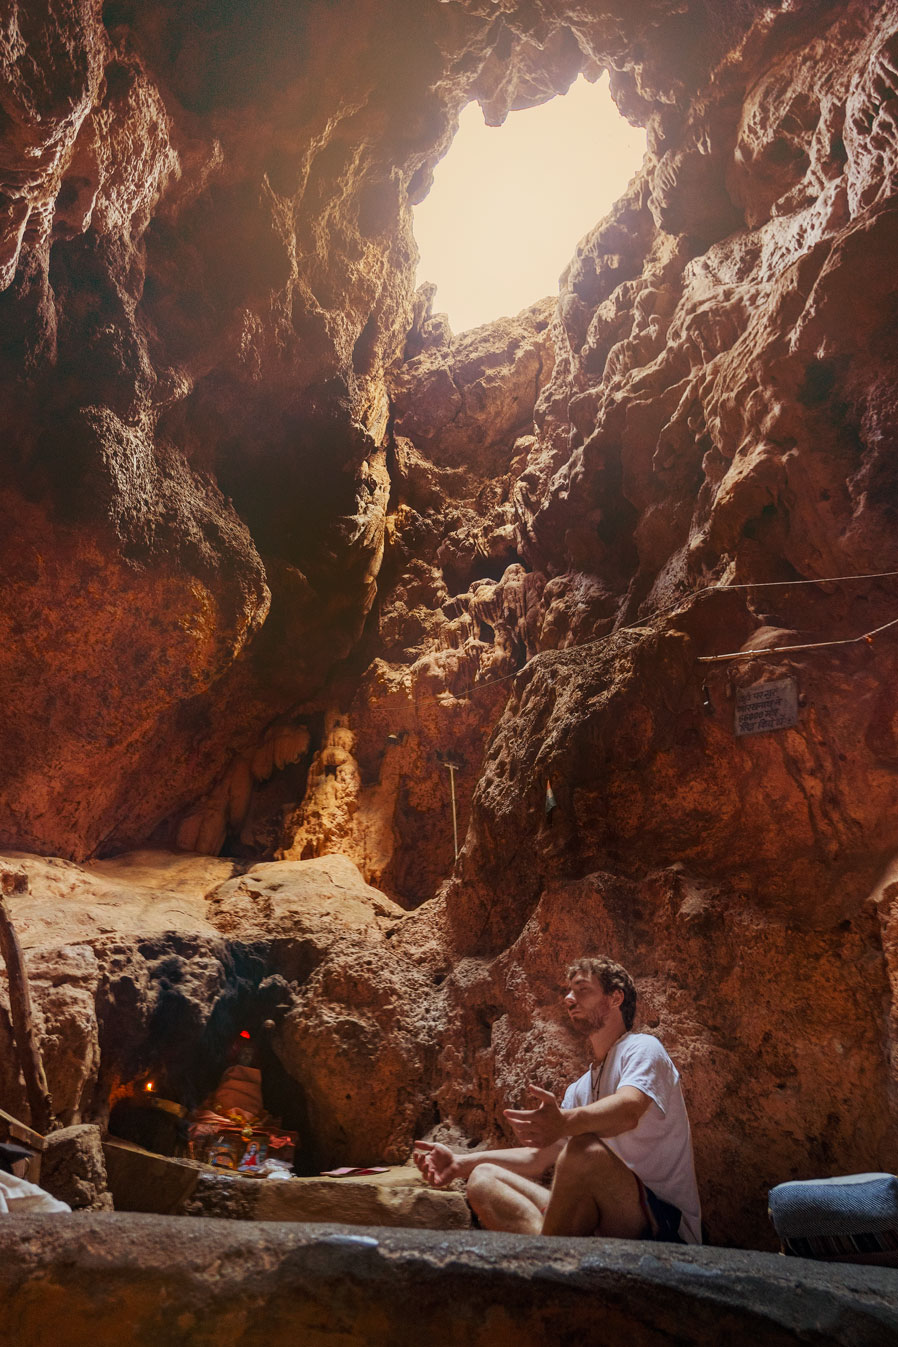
[{"x": 509, "y": 204}]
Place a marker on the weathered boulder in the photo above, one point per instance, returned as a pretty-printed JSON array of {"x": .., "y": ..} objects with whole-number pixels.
[
  {"x": 73, "y": 1168},
  {"x": 272, "y": 1283}
]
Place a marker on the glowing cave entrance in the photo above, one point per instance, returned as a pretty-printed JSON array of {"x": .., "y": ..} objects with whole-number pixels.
[{"x": 509, "y": 204}]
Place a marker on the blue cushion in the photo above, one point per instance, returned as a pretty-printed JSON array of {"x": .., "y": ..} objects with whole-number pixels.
[{"x": 846, "y": 1217}]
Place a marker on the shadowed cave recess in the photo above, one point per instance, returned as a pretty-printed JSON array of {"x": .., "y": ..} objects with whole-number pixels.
[{"x": 279, "y": 546}]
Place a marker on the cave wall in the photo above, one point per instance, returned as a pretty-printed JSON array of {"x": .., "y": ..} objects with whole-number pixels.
[
  {"x": 205, "y": 268},
  {"x": 278, "y": 542},
  {"x": 206, "y": 261},
  {"x": 719, "y": 413}
]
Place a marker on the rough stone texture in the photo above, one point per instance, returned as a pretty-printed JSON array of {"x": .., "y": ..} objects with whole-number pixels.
[
  {"x": 277, "y": 539},
  {"x": 274, "y": 1284},
  {"x": 161, "y": 994},
  {"x": 206, "y": 263},
  {"x": 73, "y": 1168},
  {"x": 144, "y": 1182},
  {"x": 398, "y": 1198},
  {"x": 455, "y": 609},
  {"x": 718, "y": 413}
]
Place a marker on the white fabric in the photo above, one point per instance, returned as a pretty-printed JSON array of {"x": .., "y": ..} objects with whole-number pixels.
[
  {"x": 659, "y": 1149},
  {"x": 18, "y": 1197}
]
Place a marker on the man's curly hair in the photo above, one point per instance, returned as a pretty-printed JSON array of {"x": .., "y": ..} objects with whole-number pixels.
[{"x": 611, "y": 977}]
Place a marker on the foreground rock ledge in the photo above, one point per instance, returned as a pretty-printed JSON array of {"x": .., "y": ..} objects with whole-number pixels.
[{"x": 162, "y": 1282}]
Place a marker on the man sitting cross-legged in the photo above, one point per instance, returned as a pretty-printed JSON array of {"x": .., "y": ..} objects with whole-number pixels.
[{"x": 620, "y": 1142}]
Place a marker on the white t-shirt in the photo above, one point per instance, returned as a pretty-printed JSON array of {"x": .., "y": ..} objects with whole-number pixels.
[{"x": 659, "y": 1149}]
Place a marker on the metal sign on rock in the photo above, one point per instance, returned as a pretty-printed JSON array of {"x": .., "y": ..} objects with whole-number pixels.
[{"x": 767, "y": 706}]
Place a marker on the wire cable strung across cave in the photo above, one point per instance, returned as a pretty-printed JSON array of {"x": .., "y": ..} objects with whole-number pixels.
[
  {"x": 867, "y": 636},
  {"x": 811, "y": 645}
]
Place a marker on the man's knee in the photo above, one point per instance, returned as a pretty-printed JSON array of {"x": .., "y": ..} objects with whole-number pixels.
[
  {"x": 586, "y": 1153},
  {"x": 483, "y": 1180}
]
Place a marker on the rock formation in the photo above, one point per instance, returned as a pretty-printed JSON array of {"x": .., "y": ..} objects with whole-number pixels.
[
  {"x": 274, "y": 1285},
  {"x": 280, "y": 547}
]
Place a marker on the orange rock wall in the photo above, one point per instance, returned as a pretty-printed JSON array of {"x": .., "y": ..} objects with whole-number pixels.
[{"x": 279, "y": 542}]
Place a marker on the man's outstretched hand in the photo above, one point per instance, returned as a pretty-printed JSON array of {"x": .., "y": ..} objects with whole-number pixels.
[
  {"x": 540, "y": 1126},
  {"x": 436, "y": 1162}
]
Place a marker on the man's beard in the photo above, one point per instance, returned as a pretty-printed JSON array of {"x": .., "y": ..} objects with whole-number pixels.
[{"x": 591, "y": 1022}]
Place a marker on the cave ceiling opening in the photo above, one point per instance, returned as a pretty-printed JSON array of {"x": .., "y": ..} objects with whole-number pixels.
[{"x": 509, "y": 203}]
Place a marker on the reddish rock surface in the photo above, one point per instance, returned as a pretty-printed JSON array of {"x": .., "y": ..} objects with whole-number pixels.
[
  {"x": 280, "y": 545},
  {"x": 240, "y": 1284}
]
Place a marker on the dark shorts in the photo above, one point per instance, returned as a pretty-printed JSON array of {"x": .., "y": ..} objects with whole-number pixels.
[{"x": 662, "y": 1219}]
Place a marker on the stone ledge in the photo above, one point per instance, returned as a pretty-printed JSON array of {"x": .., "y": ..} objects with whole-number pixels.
[
  {"x": 397, "y": 1198},
  {"x": 142, "y": 1181},
  {"x": 157, "y": 1281}
]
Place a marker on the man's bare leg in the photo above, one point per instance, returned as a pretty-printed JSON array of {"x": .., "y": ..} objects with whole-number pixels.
[
  {"x": 506, "y": 1201},
  {"x": 593, "y": 1193}
]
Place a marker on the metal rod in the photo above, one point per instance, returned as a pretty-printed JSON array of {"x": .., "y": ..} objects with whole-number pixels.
[{"x": 451, "y": 766}]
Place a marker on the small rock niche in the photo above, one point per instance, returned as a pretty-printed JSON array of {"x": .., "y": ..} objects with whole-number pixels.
[{"x": 190, "y": 1074}]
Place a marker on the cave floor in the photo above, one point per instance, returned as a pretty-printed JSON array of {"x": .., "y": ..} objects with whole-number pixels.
[{"x": 155, "y": 1280}]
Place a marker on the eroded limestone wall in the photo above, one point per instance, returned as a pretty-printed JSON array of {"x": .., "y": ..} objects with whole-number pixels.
[
  {"x": 277, "y": 539},
  {"x": 206, "y": 261}
]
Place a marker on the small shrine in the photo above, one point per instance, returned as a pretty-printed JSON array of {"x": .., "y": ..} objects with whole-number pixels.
[{"x": 231, "y": 1130}]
